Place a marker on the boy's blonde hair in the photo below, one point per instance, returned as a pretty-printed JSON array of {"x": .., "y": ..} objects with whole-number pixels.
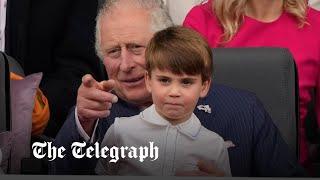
[{"x": 181, "y": 51}]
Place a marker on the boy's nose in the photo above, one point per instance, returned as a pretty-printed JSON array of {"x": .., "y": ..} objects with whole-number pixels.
[{"x": 174, "y": 91}]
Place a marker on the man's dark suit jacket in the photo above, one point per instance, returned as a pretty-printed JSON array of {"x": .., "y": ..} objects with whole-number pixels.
[
  {"x": 236, "y": 115},
  {"x": 55, "y": 37}
]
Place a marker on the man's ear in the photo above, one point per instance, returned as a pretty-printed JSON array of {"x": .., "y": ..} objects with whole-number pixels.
[
  {"x": 147, "y": 81},
  {"x": 205, "y": 88}
]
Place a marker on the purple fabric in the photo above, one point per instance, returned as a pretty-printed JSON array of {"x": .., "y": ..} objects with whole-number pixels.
[{"x": 22, "y": 103}]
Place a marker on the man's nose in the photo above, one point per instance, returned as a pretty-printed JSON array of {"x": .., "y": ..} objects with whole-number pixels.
[{"x": 127, "y": 63}]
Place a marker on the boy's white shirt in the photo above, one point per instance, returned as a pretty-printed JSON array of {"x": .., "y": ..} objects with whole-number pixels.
[{"x": 180, "y": 146}]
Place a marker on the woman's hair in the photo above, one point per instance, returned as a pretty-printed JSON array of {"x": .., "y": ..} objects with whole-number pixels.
[
  {"x": 181, "y": 51},
  {"x": 230, "y": 13}
]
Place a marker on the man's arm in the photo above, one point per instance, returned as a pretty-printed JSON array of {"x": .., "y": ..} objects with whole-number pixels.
[
  {"x": 272, "y": 156},
  {"x": 88, "y": 136},
  {"x": 69, "y": 165},
  {"x": 93, "y": 102}
]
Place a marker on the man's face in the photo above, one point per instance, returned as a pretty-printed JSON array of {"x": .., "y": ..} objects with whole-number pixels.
[{"x": 125, "y": 33}]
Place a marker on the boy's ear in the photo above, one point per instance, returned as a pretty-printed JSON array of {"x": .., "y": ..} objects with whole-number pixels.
[
  {"x": 205, "y": 88},
  {"x": 147, "y": 81}
]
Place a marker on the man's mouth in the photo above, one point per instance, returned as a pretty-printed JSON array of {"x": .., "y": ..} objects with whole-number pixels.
[{"x": 131, "y": 82}]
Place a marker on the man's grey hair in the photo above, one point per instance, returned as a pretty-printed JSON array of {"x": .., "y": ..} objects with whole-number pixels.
[{"x": 160, "y": 18}]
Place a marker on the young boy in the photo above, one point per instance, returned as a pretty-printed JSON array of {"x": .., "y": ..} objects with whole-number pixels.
[{"x": 179, "y": 70}]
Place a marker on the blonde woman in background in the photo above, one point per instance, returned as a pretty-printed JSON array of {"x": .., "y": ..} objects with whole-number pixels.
[{"x": 275, "y": 23}]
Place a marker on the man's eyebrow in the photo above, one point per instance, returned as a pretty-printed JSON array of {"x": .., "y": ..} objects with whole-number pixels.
[
  {"x": 134, "y": 44},
  {"x": 111, "y": 47}
]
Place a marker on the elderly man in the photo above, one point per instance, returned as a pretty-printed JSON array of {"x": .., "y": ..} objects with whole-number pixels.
[{"x": 124, "y": 28}]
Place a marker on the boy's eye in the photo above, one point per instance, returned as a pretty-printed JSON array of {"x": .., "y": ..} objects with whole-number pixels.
[
  {"x": 186, "y": 82},
  {"x": 164, "y": 80}
]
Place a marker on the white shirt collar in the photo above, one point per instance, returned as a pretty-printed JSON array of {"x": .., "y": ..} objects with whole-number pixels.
[{"x": 190, "y": 128}]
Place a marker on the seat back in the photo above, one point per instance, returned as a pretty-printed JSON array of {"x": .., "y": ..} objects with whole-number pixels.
[
  {"x": 14, "y": 66},
  {"x": 28, "y": 165},
  {"x": 270, "y": 73},
  {"x": 7, "y": 65},
  {"x": 4, "y": 94}
]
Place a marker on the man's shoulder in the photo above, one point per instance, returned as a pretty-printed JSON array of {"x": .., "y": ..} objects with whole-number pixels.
[
  {"x": 229, "y": 90},
  {"x": 228, "y": 96},
  {"x": 226, "y": 106}
]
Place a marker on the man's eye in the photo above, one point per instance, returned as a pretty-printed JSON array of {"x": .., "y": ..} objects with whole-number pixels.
[
  {"x": 114, "y": 53},
  {"x": 136, "y": 49}
]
